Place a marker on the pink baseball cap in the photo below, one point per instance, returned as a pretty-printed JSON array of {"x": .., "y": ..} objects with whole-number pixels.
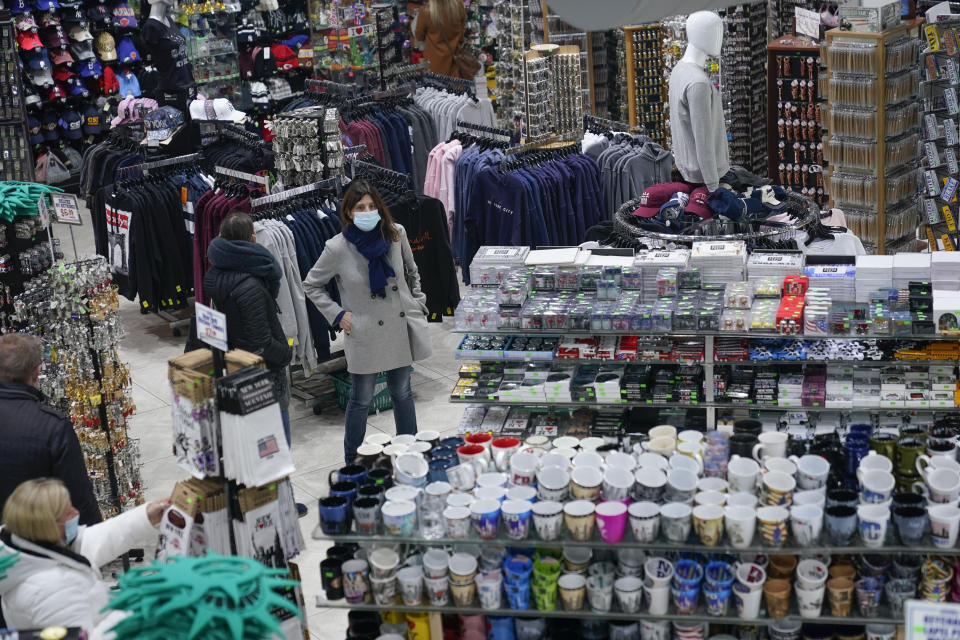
[{"x": 656, "y": 196}]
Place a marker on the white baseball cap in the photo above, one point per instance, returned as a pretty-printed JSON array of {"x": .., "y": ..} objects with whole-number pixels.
[{"x": 216, "y": 109}]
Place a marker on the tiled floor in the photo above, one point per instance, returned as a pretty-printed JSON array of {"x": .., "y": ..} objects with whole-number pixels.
[{"x": 317, "y": 440}]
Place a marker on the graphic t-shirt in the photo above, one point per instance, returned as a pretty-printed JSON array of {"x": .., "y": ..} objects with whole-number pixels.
[{"x": 167, "y": 49}]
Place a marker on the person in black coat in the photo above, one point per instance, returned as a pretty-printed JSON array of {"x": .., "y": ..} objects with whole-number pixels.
[
  {"x": 243, "y": 283},
  {"x": 37, "y": 441}
]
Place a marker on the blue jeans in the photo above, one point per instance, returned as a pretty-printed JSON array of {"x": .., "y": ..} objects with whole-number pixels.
[
  {"x": 285, "y": 415},
  {"x": 361, "y": 394}
]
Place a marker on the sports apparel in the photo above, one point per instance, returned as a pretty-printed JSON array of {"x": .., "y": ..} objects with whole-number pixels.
[{"x": 167, "y": 50}]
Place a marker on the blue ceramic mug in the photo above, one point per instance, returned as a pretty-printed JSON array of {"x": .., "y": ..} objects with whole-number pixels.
[
  {"x": 351, "y": 473},
  {"x": 841, "y": 523},
  {"x": 334, "y": 515},
  {"x": 346, "y": 490}
]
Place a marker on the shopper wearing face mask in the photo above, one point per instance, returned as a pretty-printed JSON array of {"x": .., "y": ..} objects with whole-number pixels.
[
  {"x": 382, "y": 310},
  {"x": 56, "y": 580}
]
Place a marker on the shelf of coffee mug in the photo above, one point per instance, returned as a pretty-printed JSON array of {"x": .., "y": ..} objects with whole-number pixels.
[
  {"x": 702, "y": 334},
  {"x": 534, "y": 403},
  {"x": 693, "y": 546},
  {"x": 700, "y": 615}
]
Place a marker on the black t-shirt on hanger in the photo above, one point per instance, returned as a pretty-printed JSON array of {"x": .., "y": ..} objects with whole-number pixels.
[{"x": 167, "y": 49}]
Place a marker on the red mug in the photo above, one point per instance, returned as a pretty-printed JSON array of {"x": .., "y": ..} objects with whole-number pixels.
[
  {"x": 483, "y": 439},
  {"x": 502, "y": 449},
  {"x": 475, "y": 455}
]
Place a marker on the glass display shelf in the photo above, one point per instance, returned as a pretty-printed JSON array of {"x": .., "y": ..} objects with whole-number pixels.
[
  {"x": 693, "y": 545},
  {"x": 695, "y": 404},
  {"x": 554, "y": 331},
  {"x": 700, "y": 615},
  {"x": 716, "y": 363}
]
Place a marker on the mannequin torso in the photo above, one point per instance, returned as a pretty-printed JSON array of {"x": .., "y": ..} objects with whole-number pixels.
[{"x": 696, "y": 108}]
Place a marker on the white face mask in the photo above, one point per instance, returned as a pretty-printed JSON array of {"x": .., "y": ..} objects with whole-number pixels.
[{"x": 366, "y": 220}]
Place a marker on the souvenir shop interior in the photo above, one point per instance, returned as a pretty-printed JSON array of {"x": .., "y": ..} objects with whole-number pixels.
[{"x": 691, "y": 285}]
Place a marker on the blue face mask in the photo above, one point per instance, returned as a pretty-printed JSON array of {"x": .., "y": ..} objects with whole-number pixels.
[
  {"x": 70, "y": 530},
  {"x": 366, "y": 220}
]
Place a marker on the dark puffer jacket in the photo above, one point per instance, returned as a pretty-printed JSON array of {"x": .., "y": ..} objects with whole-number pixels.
[
  {"x": 39, "y": 442},
  {"x": 243, "y": 284}
]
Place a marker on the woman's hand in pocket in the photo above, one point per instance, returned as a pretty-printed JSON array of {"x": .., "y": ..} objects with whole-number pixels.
[{"x": 346, "y": 322}]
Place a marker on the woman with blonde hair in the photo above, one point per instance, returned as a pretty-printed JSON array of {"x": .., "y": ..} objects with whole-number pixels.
[
  {"x": 440, "y": 25},
  {"x": 56, "y": 580}
]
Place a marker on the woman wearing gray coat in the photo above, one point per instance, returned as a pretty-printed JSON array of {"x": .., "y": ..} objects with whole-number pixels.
[{"x": 382, "y": 310}]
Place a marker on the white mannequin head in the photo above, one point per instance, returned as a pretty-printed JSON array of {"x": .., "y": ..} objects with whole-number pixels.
[{"x": 705, "y": 32}]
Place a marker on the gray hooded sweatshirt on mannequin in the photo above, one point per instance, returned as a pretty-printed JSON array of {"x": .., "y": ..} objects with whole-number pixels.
[{"x": 697, "y": 126}]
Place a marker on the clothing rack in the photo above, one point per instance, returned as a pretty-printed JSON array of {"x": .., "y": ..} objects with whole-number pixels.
[
  {"x": 292, "y": 193},
  {"x": 609, "y": 124},
  {"x": 130, "y": 172},
  {"x": 540, "y": 144},
  {"x": 243, "y": 175},
  {"x": 319, "y": 85},
  {"x": 383, "y": 172},
  {"x": 483, "y": 129}
]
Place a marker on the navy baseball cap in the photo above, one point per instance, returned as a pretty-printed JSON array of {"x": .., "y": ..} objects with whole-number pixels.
[
  {"x": 76, "y": 87},
  {"x": 91, "y": 120},
  {"x": 162, "y": 123},
  {"x": 126, "y": 52},
  {"x": 36, "y": 59},
  {"x": 49, "y": 127},
  {"x": 33, "y": 126},
  {"x": 70, "y": 123}
]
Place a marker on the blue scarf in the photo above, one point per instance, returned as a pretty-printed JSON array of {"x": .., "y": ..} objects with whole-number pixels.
[{"x": 374, "y": 247}]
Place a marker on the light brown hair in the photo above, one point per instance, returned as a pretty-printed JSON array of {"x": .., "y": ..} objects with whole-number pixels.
[
  {"x": 355, "y": 191},
  {"x": 447, "y": 14},
  {"x": 34, "y": 508}
]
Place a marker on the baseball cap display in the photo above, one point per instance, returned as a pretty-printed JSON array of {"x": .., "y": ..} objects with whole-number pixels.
[
  {"x": 80, "y": 33},
  {"x": 99, "y": 14},
  {"x": 91, "y": 120},
  {"x": 126, "y": 51},
  {"x": 61, "y": 56},
  {"x": 216, "y": 109},
  {"x": 128, "y": 83},
  {"x": 70, "y": 123},
  {"x": 106, "y": 47},
  {"x": 76, "y": 87},
  {"x": 49, "y": 127},
  {"x": 653, "y": 198},
  {"x": 33, "y": 128},
  {"x": 248, "y": 34},
  {"x": 82, "y": 50},
  {"x": 62, "y": 74},
  {"x": 49, "y": 19},
  {"x": 91, "y": 69},
  {"x": 108, "y": 82},
  {"x": 47, "y": 5},
  {"x": 56, "y": 92},
  {"x": 28, "y": 40},
  {"x": 53, "y": 36},
  {"x": 124, "y": 16},
  {"x": 279, "y": 88},
  {"x": 41, "y": 77},
  {"x": 21, "y": 6},
  {"x": 259, "y": 95},
  {"x": 285, "y": 58},
  {"x": 73, "y": 15},
  {"x": 36, "y": 59},
  {"x": 26, "y": 23},
  {"x": 162, "y": 123}
]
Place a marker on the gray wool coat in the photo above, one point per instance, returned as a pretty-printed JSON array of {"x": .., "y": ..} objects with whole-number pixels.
[{"x": 379, "y": 340}]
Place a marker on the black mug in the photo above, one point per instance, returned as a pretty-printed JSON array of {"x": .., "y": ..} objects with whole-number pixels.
[
  {"x": 381, "y": 477},
  {"x": 331, "y": 578},
  {"x": 370, "y": 491},
  {"x": 364, "y": 629},
  {"x": 748, "y": 425},
  {"x": 742, "y": 444}
]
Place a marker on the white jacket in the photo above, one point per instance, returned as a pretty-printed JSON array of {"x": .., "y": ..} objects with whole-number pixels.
[{"x": 55, "y": 587}]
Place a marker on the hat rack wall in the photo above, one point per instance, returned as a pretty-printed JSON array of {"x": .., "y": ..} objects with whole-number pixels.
[
  {"x": 872, "y": 113},
  {"x": 18, "y": 161},
  {"x": 795, "y": 151},
  {"x": 939, "y": 64}
]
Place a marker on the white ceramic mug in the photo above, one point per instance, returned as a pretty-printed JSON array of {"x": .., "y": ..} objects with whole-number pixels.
[
  {"x": 680, "y": 461},
  {"x": 663, "y": 430},
  {"x": 743, "y": 474},
  {"x": 741, "y": 525},
  {"x": 874, "y": 520},
  {"x": 523, "y": 468},
  {"x": 771, "y": 444},
  {"x": 649, "y": 460},
  {"x": 944, "y": 524},
  {"x": 664, "y": 445},
  {"x": 806, "y": 523},
  {"x": 878, "y": 486},
  {"x": 924, "y": 462},
  {"x": 873, "y": 461},
  {"x": 617, "y": 484},
  {"x": 812, "y": 471},
  {"x": 939, "y": 485},
  {"x": 783, "y": 465}
]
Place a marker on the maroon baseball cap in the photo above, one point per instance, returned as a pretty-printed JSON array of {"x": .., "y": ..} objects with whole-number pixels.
[
  {"x": 699, "y": 203},
  {"x": 656, "y": 196}
]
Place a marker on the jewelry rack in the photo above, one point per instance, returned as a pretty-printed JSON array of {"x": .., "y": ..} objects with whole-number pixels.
[{"x": 611, "y": 125}]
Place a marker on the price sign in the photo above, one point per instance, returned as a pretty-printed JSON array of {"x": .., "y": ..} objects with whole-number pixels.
[
  {"x": 65, "y": 208},
  {"x": 211, "y": 327},
  {"x": 807, "y": 22},
  {"x": 932, "y": 621},
  {"x": 42, "y": 212}
]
